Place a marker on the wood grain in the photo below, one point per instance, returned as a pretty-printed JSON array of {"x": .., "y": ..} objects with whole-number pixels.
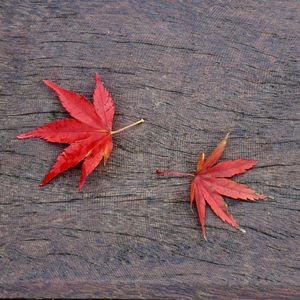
[{"x": 192, "y": 70}]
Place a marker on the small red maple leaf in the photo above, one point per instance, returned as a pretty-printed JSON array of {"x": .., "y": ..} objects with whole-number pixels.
[
  {"x": 211, "y": 183},
  {"x": 88, "y": 132}
]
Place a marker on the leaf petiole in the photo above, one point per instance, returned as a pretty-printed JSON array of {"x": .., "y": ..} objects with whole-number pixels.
[{"x": 128, "y": 126}]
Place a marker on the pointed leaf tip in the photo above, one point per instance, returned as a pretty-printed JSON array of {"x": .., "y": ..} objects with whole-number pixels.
[
  {"x": 228, "y": 133},
  {"x": 98, "y": 77},
  {"x": 48, "y": 82},
  {"x": 21, "y": 136},
  {"x": 200, "y": 162},
  {"x": 224, "y": 141},
  {"x": 216, "y": 153}
]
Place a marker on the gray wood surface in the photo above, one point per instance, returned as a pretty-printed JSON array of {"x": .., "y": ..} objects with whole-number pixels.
[{"x": 192, "y": 70}]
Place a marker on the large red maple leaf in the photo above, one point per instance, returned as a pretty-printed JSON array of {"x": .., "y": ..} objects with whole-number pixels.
[
  {"x": 88, "y": 132},
  {"x": 210, "y": 183}
]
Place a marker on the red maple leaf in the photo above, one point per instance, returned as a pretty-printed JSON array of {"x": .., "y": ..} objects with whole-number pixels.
[
  {"x": 210, "y": 183},
  {"x": 88, "y": 132}
]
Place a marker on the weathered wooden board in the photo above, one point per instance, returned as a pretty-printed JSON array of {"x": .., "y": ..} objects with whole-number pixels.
[{"x": 192, "y": 70}]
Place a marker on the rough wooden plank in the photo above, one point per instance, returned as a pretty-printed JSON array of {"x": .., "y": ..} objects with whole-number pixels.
[
  {"x": 140, "y": 290},
  {"x": 192, "y": 70}
]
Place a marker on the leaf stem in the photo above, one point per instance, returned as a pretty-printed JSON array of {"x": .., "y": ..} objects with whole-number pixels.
[
  {"x": 128, "y": 126},
  {"x": 159, "y": 172}
]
